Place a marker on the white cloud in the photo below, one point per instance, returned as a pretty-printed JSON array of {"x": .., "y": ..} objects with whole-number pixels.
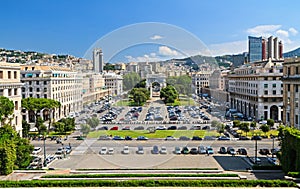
[
  {"x": 282, "y": 33},
  {"x": 166, "y": 51},
  {"x": 263, "y": 30},
  {"x": 293, "y": 31},
  {"x": 156, "y": 37},
  {"x": 234, "y": 47},
  {"x": 145, "y": 58}
]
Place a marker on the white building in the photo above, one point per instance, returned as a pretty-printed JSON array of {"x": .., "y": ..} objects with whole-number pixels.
[
  {"x": 10, "y": 87},
  {"x": 114, "y": 83},
  {"x": 53, "y": 82},
  {"x": 256, "y": 90},
  {"x": 201, "y": 80}
]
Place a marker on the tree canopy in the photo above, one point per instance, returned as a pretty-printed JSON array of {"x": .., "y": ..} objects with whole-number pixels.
[
  {"x": 7, "y": 108},
  {"x": 169, "y": 93},
  {"x": 130, "y": 80},
  {"x": 182, "y": 84}
]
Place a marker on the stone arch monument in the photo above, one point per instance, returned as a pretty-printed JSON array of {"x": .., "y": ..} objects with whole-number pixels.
[{"x": 159, "y": 78}]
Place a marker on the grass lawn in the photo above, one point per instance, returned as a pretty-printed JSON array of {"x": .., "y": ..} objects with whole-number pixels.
[
  {"x": 259, "y": 132},
  {"x": 157, "y": 134},
  {"x": 183, "y": 102}
]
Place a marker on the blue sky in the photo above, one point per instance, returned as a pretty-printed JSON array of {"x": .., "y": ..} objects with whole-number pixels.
[{"x": 73, "y": 26}]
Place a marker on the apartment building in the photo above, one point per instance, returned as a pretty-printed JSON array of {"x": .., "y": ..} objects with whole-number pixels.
[
  {"x": 114, "y": 83},
  {"x": 256, "y": 90},
  {"x": 10, "y": 87},
  {"x": 200, "y": 80},
  {"x": 53, "y": 82},
  {"x": 291, "y": 94}
]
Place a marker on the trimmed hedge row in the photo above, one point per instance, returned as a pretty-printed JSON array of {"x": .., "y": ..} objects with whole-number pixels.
[
  {"x": 211, "y": 168},
  {"x": 148, "y": 183},
  {"x": 294, "y": 174},
  {"x": 267, "y": 167},
  {"x": 136, "y": 175}
]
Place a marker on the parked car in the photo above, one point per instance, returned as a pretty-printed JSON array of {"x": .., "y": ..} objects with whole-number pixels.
[
  {"x": 172, "y": 128},
  {"x": 163, "y": 150},
  {"x": 155, "y": 150},
  {"x": 114, "y": 128},
  {"x": 185, "y": 150},
  {"x": 264, "y": 151},
  {"x": 256, "y": 137},
  {"x": 242, "y": 151},
  {"x": 231, "y": 151},
  {"x": 36, "y": 150},
  {"x": 222, "y": 150},
  {"x": 104, "y": 137},
  {"x": 110, "y": 151},
  {"x": 125, "y": 150},
  {"x": 196, "y": 138},
  {"x": 161, "y": 127},
  {"x": 177, "y": 150},
  {"x": 128, "y": 138},
  {"x": 244, "y": 138},
  {"x": 184, "y": 138},
  {"x": 194, "y": 151},
  {"x": 103, "y": 151},
  {"x": 126, "y": 128},
  {"x": 140, "y": 150},
  {"x": 118, "y": 138},
  {"x": 141, "y": 138},
  {"x": 170, "y": 138},
  {"x": 201, "y": 150},
  {"x": 209, "y": 150},
  {"x": 223, "y": 138}
]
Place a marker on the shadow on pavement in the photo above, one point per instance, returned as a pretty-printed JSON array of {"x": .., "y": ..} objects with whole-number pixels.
[{"x": 232, "y": 163}]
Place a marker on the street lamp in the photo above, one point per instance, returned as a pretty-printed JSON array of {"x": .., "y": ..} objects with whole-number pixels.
[
  {"x": 45, "y": 162},
  {"x": 273, "y": 150},
  {"x": 255, "y": 151}
]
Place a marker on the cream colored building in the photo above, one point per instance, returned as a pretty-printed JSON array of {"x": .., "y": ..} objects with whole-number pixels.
[
  {"x": 291, "y": 93},
  {"x": 93, "y": 87},
  {"x": 114, "y": 83},
  {"x": 10, "y": 87},
  {"x": 256, "y": 90},
  {"x": 201, "y": 80},
  {"x": 53, "y": 82}
]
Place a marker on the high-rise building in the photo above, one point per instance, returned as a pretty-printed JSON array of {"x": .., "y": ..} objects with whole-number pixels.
[
  {"x": 255, "y": 48},
  {"x": 291, "y": 92},
  {"x": 98, "y": 60},
  {"x": 261, "y": 49}
]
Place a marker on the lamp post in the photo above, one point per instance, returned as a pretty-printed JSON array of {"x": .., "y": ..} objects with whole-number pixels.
[
  {"x": 45, "y": 162},
  {"x": 273, "y": 150},
  {"x": 255, "y": 151}
]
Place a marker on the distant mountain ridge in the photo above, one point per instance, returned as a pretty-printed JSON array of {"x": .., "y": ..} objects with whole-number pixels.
[{"x": 292, "y": 53}]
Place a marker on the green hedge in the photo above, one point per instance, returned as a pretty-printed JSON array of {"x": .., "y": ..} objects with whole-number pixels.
[
  {"x": 148, "y": 183},
  {"x": 137, "y": 175},
  {"x": 267, "y": 167},
  {"x": 294, "y": 174},
  {"x": 210, "y": 168}
]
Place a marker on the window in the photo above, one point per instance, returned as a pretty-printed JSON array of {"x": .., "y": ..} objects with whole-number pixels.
[
  {"x": 30, "y": 95},
  {"x": 30, "y": 82},
  {"x": 23, "y": 96},
  {"x": 265, "y": 78},
  {"x": 265, "y": 92},
  {"x": 37, "y": 96},
  {"x": 1, "y": 92},
  {"x": 15, "y": 91},
  {"x": 265, "y": 85},
  {"x": 37, "y": 89},
  {"x": 45, "y": 96},
  {"x": 288, "y": 117},
  {"x": 45, "y": 82},
  {"x": 1, "y": 74},
  {"x": 297, "y": 70},
  {"x": 45, "y": 89},
  {"x": 265, "y": 100},
  {"x": 23, "y": 75},
  {"x": 289, "y": 71},
  {"x": 297, "y": 119},
  {"x": 30, "y": 89},
  {"x": 274, "y": 85},
  {"x": 23, "y": 89},
  {"x": 296, "y": 102},
  {"x": 296, "y": 88},
  {"x": 16, "y": 105},
  {"x": 37, "y": 75},
  {"x": 15, "y": 74},
  {"x": 288, "y": 87},
  {"x": 37, "y": 82},
  {"x": 265, "y": 107},
  {"x": 274, "y": 92},
  {"x": 16, "y": 120},
  {"x": 9, "y": 74}
]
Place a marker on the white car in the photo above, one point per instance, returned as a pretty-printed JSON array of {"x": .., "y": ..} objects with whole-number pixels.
[
  {"x": 125, "y": 150},
  {"x": 110, "y": 151},
  {"x": 140, "y": 150},
  {"x": 103, "y": 151},
  {"x": 163, "y": 150},
  {"x": 36, "y": 150}
]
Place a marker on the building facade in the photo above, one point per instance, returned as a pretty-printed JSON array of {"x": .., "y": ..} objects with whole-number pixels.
[
  {"x": 52, "y": 82},
  {"x": 200, "y": 80},
  {"x": 256, "y": 90},
  {"x": 291, "y": 94},
  {"x": 98, "y": 60},
  {"x": 10, "y": 87},
  {"x": 113, "y": 83}
]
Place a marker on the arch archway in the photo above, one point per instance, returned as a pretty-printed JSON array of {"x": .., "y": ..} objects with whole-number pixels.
[
  {"x": 274, "y": 112},
  {"x": 158, "y": 79}
]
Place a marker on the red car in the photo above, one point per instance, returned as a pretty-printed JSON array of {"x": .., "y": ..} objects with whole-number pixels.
[{"x": 115, "y": 128}]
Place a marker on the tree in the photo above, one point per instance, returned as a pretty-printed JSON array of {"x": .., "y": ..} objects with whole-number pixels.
[
  {"x": 169, "y": 94},
  {"x": 7, "y": 108},
  {"x": 140, "y": 95},
  {"x": 93, "y": 122},
  {"x": 40, "y": 125},
  {"x": 38, "y": 104},
  {"x": 25, "y": 128},
  {"x": 59, "y": 127},
  {"x": 265, "y": 128},
  {"x": 236, "y": 123},
  {"x": 130, "y": 80},
  {"x": 23, "y": 149},
  {"x": 270, "y": 122},
  {"x": 181, "y": 83},
  {"x": 253, "y": 124},
  {"x": 85, "y": 129},
  {"x": 220, "y": 127},
  {"x": 245, "y": 127}
]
